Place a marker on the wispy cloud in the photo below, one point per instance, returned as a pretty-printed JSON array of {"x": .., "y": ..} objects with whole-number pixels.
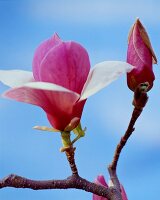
[{"x": 93, "y": 12}]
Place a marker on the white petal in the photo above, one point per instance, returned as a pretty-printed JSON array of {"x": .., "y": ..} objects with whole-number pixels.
[
  {"x": 102, "y": 75},
  {"x": 48, "y": 86},
  {"x": 15, "y": 78}
]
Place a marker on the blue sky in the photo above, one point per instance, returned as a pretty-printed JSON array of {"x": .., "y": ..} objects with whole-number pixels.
[{"x": 102, "y": 28}]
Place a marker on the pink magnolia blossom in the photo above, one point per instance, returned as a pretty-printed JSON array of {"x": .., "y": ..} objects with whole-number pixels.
[
  {"x": 141, "y": 55},
  {"x": 61, "y": 80},
  {"x": 101, "y": 181}
]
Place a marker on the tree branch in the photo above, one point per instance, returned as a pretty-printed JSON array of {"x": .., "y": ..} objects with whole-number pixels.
[{"x": 73, "y": 181}]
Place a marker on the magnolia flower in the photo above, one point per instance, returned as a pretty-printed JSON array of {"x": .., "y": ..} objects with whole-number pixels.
[
  {"x": 101, "y": 181},
  {"x": 141, "y": 55},
  {"x": 61, "y": 81}
]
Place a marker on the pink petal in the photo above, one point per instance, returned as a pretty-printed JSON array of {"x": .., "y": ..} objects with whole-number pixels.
[
  {"x": 138, "y": 53},
  {"x": 100, "y": 180},
  {"x": 58, "y": 102},
  {"x": 63, "y": 120},
  {"x": 41, "y": 52},
  {"x": 67, "y": 64},
  {"x": 123, "y": 193}
]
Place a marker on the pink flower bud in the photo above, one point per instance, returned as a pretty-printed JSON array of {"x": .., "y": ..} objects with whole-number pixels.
[
  {"x": 100, "y": 180},
  {"x": 141, "y": 55}
]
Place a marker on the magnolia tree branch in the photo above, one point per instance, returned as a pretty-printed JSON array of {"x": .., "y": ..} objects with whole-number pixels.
[
  {"x": 139, "y": 102},
  {"x": 113, "y": 192},
  {"x": 73, "y": 181}
]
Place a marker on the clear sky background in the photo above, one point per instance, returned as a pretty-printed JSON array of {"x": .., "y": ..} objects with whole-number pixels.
[{"x": 102, "y": 27}]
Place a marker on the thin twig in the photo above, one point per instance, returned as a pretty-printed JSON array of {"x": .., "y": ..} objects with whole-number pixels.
[
  {"x": 139, "y": 101},
  {"x": 136, "y": 113}
]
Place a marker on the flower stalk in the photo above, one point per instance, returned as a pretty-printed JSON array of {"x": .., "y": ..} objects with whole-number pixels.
[
  {"x": 66, "y": 140},
  {"x": 69, "y": 150}
]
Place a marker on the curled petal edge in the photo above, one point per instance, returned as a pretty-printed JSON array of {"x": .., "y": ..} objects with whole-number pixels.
[
  {"x": 17, "y": 93},
  {"x": 102, "y": 74},
  {"x": 15, "y": 78}
]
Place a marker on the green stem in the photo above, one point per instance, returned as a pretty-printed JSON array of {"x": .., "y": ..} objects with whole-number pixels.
[{"x": 66, "y": 140}]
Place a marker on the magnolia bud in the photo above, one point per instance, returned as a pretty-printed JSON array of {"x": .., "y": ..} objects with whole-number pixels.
[{"x": 141, "y": 55}]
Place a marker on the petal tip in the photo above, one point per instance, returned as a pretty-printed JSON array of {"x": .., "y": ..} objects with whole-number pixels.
[
  {"x": 56, "y": 37},
  {"x": 144, "y": 35}
]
